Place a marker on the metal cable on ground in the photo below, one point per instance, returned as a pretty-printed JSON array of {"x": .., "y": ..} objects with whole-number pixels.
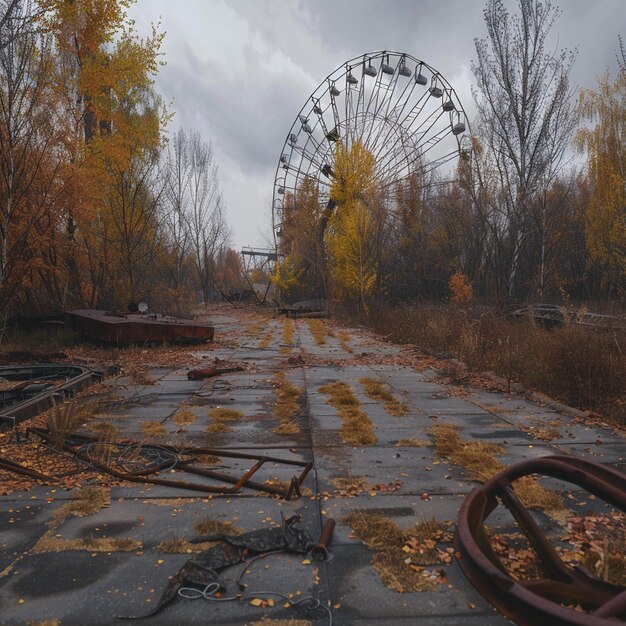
[
  {"x": 131, "y": 458},
  {"x": 208, "y": 593},
  {"x": 218, "y": 384}
]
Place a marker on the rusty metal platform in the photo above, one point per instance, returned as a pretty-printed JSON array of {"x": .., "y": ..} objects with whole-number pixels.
[{"x": 122, "y": 328}]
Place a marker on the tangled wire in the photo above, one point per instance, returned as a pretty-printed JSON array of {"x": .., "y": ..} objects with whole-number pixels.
[{"x": 130, "y": 458}]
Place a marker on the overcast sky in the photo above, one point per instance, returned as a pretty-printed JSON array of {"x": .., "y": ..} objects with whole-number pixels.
[{"x": 238, "y": 71}]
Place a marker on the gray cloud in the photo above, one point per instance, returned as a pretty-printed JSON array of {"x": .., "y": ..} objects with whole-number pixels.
[{"x": 238, "y": 72}]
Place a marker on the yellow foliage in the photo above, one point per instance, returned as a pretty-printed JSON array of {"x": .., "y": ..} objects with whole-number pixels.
[
  {"x": 461, "y": 291},
  {"x": 606, "y": 147},
  {"x": 288, "y": 273},
  {"x": 350, "y": 234}
]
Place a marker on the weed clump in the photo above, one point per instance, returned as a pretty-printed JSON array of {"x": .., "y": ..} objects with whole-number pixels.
[
  {"x": 400, "y": 555},
  {"x": 357, "y": 428},
  {"x": 477, "y": 457},
  {"x": 376, "y": 390},
  {"x": 288, "y": 399}
]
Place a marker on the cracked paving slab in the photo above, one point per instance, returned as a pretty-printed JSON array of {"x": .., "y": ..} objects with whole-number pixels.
[{"x": 407, "y": 482}]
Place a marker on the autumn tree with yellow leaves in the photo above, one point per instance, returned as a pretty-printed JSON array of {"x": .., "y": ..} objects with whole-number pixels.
[
  {"x": 351, "y": 230},
  {"x": 606, "y": 148}
]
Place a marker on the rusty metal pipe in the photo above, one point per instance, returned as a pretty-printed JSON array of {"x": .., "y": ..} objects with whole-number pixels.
[{"x": 320, "y": 549}]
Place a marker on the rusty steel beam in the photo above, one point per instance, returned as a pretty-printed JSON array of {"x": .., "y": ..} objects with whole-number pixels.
[
  {"x": 540, "y": 602},
  {"x": 122, "y": 328}
]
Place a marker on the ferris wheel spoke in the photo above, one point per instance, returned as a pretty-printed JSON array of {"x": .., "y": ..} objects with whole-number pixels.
[{"x": 419, "y": 134}]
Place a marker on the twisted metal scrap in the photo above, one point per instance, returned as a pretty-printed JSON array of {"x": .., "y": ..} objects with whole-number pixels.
[
  {"x": 201, "y": 572},
  {"x": 540, "y": 602}
]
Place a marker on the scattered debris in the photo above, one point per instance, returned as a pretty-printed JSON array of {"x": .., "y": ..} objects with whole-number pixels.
[
  {"x": 203, "y": 570},
  {"x": 211, "y": 372}
]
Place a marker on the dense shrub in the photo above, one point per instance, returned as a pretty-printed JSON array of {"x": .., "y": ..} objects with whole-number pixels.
[{"x": 583, "y": 367}]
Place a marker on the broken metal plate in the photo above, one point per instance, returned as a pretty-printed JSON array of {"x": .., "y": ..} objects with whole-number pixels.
[{"x": 569, "y": 594}]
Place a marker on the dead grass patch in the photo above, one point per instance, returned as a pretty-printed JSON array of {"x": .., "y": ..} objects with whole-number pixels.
[
  {"x": 288, "y": 328},
  {"x": 478, "y": 458},
  {"x": 153, "y": 429},
  {"x": 86, "y": 501},
  {"x": 219, "y": 416},
  {"x": 344, "y": 337},
  {"x": 183, "y": 417},
  {"x": 413, "y": 442},
  {"x": 377, "y": 391},
  {"x": 265, "y": 340},
  {"x": 140, "y": 376},
  {"x": 105, "y": 431},
  {"x": 63, "y": 419},
  {"x": 400, "y": 555},
  {"x": 357, "y": 428},
  {"x": 178, "y": 545},
  {"x": 266, "y": 621},
  {"x": 46, "y": 622},
  {"x": 318, "y": 329},
  {"x": 356, "y": 484},
  {"x": 50, "y": 543},
  {"x": 287, "y": 405},
  {"x": 210, "y": 526}
]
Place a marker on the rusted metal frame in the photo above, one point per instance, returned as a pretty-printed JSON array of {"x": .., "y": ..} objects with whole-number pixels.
[
  {"x": 237, "y": 483},
  {"x": 43, "y": 401},
  {"x": 17, "y": 468},
  {"x": 531, "y": 603},
  {"x": 307, "y": 465}
]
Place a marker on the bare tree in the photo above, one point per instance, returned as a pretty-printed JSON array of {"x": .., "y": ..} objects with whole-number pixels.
[
  {"x": 209, "y": 231},
  {"x": 178, "y": 174},
  {"x": 26, "y": 139},
  {"x": 523, "y": 97}
]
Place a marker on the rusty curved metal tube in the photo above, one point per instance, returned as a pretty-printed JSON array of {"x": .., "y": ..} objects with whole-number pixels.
[{"x": 538, "y": 602}]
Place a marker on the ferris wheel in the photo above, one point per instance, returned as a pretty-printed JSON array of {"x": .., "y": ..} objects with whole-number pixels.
[{"x": 400, "y": 108}]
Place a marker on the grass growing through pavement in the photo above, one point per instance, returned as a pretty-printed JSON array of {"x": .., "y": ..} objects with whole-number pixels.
[
  {"x": 478, "y": 458},
  {"x": 400, "y": 555},
  {"x": 288, "y": 328},
  {"x": 376, "y": 390},
  {"x": 219, "y": 417},
  {"x": 86, "y": 501},
  {"x": 344, "y": 337},
  {"x": 95, "y": 544},
  {"x": 318, "y": 329},
  {"x": 288, "y": 399},
  {"x": 413, "y": 442},
  {"x": 210, "y": 526},
  {"x": 357, "y": 428},
  {"x": 152, "y": 429}
]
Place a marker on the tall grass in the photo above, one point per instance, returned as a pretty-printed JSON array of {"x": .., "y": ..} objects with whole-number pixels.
[{"x": 583, "y": 367}]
